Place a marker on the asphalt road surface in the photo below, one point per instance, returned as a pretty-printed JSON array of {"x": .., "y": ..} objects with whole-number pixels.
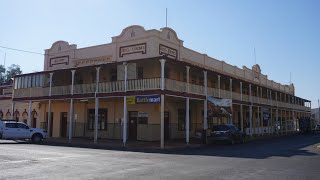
[{"x": 293, "y": 157}]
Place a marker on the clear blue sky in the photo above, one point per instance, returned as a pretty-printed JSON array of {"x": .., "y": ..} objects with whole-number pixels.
[{"x": 284, "y": 33}]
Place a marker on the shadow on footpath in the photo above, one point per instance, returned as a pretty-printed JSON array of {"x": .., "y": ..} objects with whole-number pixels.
[{"x": 285, "y": 146}]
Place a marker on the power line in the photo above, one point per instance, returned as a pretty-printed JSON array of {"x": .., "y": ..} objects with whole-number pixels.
[
  {"x": 14, "y": 49},
  {"x": 33, "y": 52}
]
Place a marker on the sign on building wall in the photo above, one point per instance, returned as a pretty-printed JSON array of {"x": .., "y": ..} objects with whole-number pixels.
[
  {"x": 59, "y": 60},
  {"x": 133, "y": 49},
  {"x": 219, "y": 107},
  {"x": 7, "y": 91},
  {"x": 170, "y": 52},
  {"x": 155, "y": 99}
]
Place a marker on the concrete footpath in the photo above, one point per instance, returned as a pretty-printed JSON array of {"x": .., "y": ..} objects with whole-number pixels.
[
  {"x": 118, "y": 145},
  {"x": 142, "y": 145}
]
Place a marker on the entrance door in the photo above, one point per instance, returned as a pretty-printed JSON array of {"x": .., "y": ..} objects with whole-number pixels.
[
  {"x": 63, "y": 124},
  {"x": 166, "y": 126},
  {"x": 133, "y": 118},
  {"x": 34, "y": 122}
]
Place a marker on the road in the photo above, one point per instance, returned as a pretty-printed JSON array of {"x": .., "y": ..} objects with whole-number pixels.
[{"x": 293, "y": 157}]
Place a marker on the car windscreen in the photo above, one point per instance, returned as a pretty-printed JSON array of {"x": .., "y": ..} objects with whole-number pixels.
[{"x": 220, "y": 128}]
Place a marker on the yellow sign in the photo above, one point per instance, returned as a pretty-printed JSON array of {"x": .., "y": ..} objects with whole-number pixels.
[{"x": 131, "y": 100}]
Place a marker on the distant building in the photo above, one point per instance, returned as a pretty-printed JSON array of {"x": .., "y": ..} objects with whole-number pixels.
[{"x": 145, "y": 85}]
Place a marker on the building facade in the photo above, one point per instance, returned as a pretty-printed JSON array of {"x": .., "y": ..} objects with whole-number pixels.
[
  {"x": 145, "y": 85},
  {"x": 18, "y": 111}
]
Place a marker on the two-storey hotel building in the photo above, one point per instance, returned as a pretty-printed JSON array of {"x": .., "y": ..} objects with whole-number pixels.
[{"x": 145, "y": 85}]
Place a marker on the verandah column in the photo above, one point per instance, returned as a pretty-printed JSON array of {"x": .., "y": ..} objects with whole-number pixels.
[
  {"x": 162, "y": 104},
  {"x": 277, "y": 120},
  {"x": 187, "y": 108},
  {"x": 261, "y": 114},
  {"x": 271, "y": 116},
  {"x": 259, "y": 121},
  {"x": 71, "y": 106},
  {"x": 231, "y": 117},
  {"x": 219, "y": 86},
  {"x": 124, "y": 132},
  {"x": 292, "y": 120},
  {"x": 205, "y": 108},
  {"x": 96, "y": 108},
  {"x": 29, "y": 113},
  {"x": 12, "y": 108},
  {"x": 250, "y": 111},
  {"x": 49, "y": 106},
  {"x": 281, "y": 122},
  {"x": 285, "y": 113},
  {"x": 277, "y": 104},
  {"x": 272, "y": 124},
  {"x": 241, "y": 108}
]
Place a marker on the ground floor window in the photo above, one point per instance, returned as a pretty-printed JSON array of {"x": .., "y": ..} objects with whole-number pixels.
[
  {"x": 143, "y": 118},
  {"x": 102, "y": 119}
]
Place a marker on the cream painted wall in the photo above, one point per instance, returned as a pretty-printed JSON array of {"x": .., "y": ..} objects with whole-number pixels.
[
  {"x": 134, "y": 35},
  {"x": 21, "y": 107}
]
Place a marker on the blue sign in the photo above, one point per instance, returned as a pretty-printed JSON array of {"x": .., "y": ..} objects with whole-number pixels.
[{"x": 148, "y": 99}]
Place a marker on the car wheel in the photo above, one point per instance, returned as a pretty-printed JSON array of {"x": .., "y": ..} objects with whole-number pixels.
[{"x": 36, "y": 139}]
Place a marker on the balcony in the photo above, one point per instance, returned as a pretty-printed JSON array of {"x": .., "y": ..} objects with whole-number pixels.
[{"x": 146, "y": 84}]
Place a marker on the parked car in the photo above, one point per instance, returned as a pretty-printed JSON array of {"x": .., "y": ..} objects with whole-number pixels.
[
  {"x": 13, "y": 130},
  {"x": 226, "y": 132}
]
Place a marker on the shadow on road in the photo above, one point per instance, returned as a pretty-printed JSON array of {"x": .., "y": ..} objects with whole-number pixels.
[{"x": 296, "y": 145}]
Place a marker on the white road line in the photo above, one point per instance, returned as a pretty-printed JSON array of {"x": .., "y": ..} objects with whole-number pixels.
[
  {"x": 38, "y": 151},
  {"x": 65, "y": 157},
  {"x": 13, "y": 162}
]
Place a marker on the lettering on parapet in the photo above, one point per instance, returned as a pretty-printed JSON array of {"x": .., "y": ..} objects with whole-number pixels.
[
  {"x": 132, "y": 49},
  {"x": 59, "y": 60},
  {"x": 170, "y": 52}
]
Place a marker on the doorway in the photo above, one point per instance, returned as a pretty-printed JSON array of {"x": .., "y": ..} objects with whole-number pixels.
[
  {"x": 34, "y": 122},
  {"x": 166, "y": 126},
  {"x": 63, "y": 124},
  {"x": 133, "y": 118}
]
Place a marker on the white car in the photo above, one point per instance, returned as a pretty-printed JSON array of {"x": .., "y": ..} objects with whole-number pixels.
[{"x": 17, "y": 130}]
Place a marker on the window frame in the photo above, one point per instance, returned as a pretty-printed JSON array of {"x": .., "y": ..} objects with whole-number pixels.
[{"x": 102, "y": 123}]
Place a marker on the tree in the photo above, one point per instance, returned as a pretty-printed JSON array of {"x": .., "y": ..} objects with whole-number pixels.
[
  {"x": 13, "y": 70},
  {"x": 2, "y": 74}
]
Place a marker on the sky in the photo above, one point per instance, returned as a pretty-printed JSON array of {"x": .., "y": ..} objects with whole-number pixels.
[{"x": 284, "y": 34}]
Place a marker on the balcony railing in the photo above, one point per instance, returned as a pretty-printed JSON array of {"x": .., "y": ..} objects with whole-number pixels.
[
  {"x": 196, "y": 89},
  {"x": 146, "y": 84},
  {"x": 84, "y": 88},
  {"x": 60, "y": 90},
  {"x": 213, "y": 92},
  {"x": 174, "y": 85},
  {"x": 109, "y": 87},
  {"x": 236, "y": 96}
]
